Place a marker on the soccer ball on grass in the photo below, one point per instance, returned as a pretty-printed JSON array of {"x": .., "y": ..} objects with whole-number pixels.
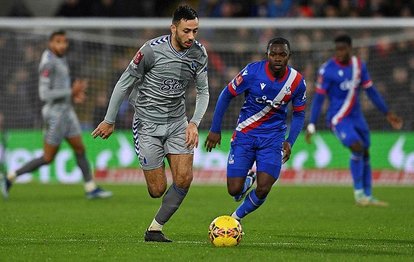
[{"x": 225, "y": 231}]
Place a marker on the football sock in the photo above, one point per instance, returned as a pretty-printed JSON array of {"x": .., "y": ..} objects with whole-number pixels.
[
  {"x": 30, "y": 166},
  {"x": 90, "y": 186},
  {"x": 250, "y": 203},
  {"x": 357, "y": 169},
  {"x": 155, "y": 226},
  {"x": 84, "y": 166},
  {"x": 170, "y": 203},
  {"x": 367, "y": 177}
]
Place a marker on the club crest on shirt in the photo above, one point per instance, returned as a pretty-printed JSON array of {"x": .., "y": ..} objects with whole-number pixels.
[
  {"x": 45, "y": 73},
  {"x": 138, "y": 57}
]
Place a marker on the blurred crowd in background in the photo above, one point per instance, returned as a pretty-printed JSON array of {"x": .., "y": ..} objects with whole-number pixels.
[
  {"x": 389, "y": 54},
  {"x": 225, "y": 8}
]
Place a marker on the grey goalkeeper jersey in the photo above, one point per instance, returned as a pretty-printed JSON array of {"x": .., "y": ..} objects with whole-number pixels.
[
  {"x": 159, "y": 77},
  {"x": 54, "y": 82}
]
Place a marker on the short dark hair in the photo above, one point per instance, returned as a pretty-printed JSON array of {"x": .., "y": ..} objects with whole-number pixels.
[
  {"x": 55, "y": 33},
  {"x": 184, "y": 12},
  {"x": 278, "y": 40},
  {"x": 343, "y": 38}
]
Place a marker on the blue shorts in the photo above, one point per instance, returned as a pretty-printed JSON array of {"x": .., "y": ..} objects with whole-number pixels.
[
  {"x": 352, "y": 130},
  {"x": 246, "y": 149}
]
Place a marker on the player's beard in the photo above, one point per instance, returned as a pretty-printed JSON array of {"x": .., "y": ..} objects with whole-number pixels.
[{"x": 183, "y": 44}]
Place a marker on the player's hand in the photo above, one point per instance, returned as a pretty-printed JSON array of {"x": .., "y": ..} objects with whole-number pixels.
[
  {"x": 287, "y": 150},
  {"x": 79, "y": 90},
  {"x": 310, "y": 130},
  {"x": 103, "y": 130},
  {"x": 395, "y": 121},
  {"x": 212, "y": 140},
  {"x": 191, "y": 136}
]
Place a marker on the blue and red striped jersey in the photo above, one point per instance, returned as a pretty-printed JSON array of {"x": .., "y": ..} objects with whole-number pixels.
[
  {"x": 266, "y": 102},
  {"x": 342, "y": 84}
]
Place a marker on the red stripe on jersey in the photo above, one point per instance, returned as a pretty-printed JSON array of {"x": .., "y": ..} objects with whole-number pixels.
[
  {"x": 298, "y": 108},
  {"x": 367, "y": 84},
  {"x": 231, "y": 89},
  {"x": 349, "y": 109},
  {"x": 260, "y": 121},
  {"x": 295, "y": 84},
  {"x": 320, "y": 91},
  {"x": 273, "y": 111}
]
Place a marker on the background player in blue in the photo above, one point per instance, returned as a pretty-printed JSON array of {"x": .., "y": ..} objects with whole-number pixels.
[
  {"x": 341, "y": 79},
  {"x": 268, "y": 86}
]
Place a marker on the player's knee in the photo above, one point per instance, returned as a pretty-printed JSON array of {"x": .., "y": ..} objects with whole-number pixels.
[
  {"x": 262, "y": 192},
  {"x": 357, "y": 147},
  {"x": 156, "y": 192},
  {"x": 234, "y": 189},
  {"x": 47, "y": 159},
  {"x": 184, "y": 181}
]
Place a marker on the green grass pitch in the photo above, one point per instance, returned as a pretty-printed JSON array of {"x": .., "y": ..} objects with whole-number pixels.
[{"x": 297, "y": 223}]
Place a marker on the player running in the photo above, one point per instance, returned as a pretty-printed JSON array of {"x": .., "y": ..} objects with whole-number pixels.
[
  {"x": 269, "y": 86},
  {"x": 342, "y": 79},
  {"x": 59, "y": 115},
  {"x": 159, "y": 75}
]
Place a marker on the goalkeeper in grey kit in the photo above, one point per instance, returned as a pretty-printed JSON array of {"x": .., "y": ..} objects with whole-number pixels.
[
  {"x": 158, "y": 76},
  {"x": 59, "y": 116}
]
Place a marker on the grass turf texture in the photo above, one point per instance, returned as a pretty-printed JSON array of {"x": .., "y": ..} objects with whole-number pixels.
[{"x": 56, "y": 222}]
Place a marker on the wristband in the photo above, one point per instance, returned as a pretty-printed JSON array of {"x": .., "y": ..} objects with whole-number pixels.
[{"x": 311, "y": 128}]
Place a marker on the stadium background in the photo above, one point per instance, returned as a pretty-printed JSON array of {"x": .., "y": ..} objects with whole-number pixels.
[{"x": 103, "y": 39}]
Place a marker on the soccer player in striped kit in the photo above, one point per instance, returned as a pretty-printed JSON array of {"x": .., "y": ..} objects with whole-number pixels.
[
  {"x": 269, "y": 86},
  {"x": 60, "y": 119},
  {"x": 341, "y": 79},
  {"x": 159, "y": 74}
]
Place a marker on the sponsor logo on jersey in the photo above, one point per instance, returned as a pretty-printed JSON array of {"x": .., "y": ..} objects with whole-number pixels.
[
  {"x": 138, "y": 57},
  {"x": 262, "y": 85},
  {"x": 347, "y": 85},
  {"x": 173, "y": 86},
  {"x": 272, "y": 103}
]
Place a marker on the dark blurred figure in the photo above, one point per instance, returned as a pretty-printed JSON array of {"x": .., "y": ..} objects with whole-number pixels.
[
  {"x": 74, "y": 8},
  {"x": 107, "y": 8},
  {"x": 19, "y": 9}
]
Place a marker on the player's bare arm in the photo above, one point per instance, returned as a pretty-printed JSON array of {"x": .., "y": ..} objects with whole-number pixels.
[
  {"x": 287, "y": 150},
  {"x": 191, "y": 135},
  {"x": 212, "y": 140},
  {"x": 395, "y": 121},
  {"x": 103, "y": 130},
  {"x": 79, "y": 90}
]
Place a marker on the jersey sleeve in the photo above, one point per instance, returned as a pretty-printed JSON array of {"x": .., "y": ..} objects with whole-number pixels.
[
  {"x": 118, "y": 94},
  {"x": 366, "y": 81},
  {"x": 299, "y": 97},
  {"x": 322, "y": 85},
  {"x": 142, "y": 62},
  {"x": 203, "y": 95},
  {"x": 46, "y": 91},
  {"x": 298, "y": 116},
  {"x": 322, "y": 81},
  {"x": 240, "y": 83}
]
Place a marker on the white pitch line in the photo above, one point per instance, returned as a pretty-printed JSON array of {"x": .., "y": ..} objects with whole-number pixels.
[{"x": 207, "y": 242}]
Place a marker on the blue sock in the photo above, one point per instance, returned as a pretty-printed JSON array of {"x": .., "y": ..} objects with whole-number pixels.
[
  {"x": 357, "y": 169},
  {"x": 367, "y": 177},
  {"x": 251, "y": 203}
]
